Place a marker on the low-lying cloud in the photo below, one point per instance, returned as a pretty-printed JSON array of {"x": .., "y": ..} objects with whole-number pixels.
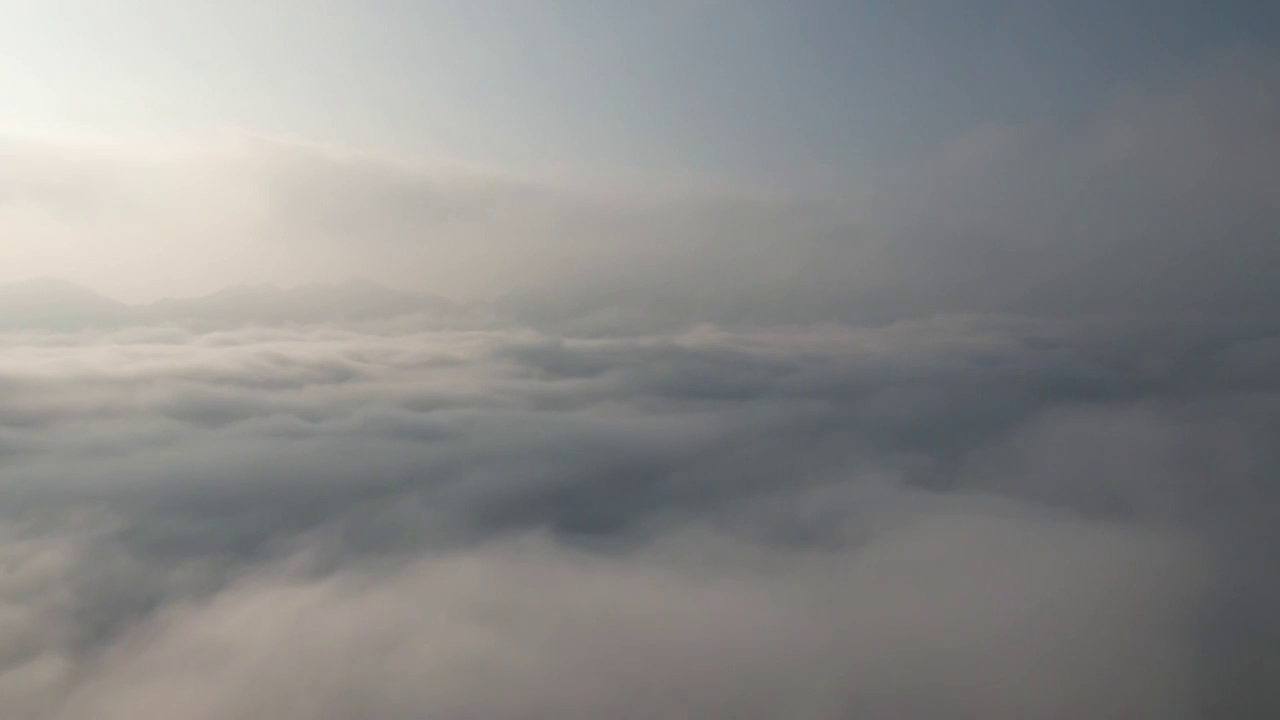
[{"x": 992, "y": 517}]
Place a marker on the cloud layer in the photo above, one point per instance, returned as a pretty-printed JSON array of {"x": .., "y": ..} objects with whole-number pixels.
[
  {"x": 996, "y": 443},
  {"x": 968, "y": 516}
]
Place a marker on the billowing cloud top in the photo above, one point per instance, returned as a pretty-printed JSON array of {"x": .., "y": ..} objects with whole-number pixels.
[{"x": 994, "y": 517}]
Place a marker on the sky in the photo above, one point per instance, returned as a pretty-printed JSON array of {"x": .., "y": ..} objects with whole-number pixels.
[
  {"x": 836, "y": 104},
  {"x": 663, "y": 358},
  {"x": 665, "y": 86}
]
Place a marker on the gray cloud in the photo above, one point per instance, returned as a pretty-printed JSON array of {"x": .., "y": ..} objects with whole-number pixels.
[
  {"x": 973, "y": 515},
  {"x": 533, "y": 629}
]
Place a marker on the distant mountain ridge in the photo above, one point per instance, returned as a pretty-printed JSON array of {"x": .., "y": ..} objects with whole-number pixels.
[
  {"x": 59, "y": 305},
  {"x": 268, "y": 303},
  {"x": 56, "y": 304}
]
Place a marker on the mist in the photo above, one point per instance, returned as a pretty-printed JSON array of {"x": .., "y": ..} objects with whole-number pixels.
[{"x": 296, "y": 428}]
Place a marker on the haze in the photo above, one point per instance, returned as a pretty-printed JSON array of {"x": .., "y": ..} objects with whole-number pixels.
[{"x": 714, "y": 359}]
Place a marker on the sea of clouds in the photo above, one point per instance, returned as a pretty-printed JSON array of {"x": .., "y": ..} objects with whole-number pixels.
[
  {"x": 1000, "y": 447},
  {"x": 965, "y": 516}
]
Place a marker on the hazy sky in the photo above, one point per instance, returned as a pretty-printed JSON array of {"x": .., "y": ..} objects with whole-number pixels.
[
  {"x": 877, "y": 360},
  {"x": 717, "y": 86},
  {"x": 151, "y": 148}
]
